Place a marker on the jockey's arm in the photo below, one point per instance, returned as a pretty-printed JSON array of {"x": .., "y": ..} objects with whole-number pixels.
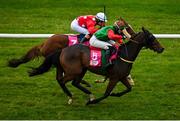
[
  {"x": 116, "y": 37},
  {"x": 91, "y": 27}
]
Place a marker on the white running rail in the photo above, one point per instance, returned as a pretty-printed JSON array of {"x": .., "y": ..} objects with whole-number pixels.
[{"x": 49, "y": 35}]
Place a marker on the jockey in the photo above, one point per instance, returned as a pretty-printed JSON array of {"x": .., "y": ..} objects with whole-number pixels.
[
  {"x": 87, "y": 24},
  {"x": 106, "y": 37}
]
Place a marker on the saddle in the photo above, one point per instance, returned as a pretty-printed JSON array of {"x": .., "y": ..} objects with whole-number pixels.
[
  {"x": 75, "y": 39},
  {"x": 102, "y": 58},
  {"x": 98, "y": 57}
]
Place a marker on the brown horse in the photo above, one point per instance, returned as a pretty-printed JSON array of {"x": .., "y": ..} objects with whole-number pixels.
[
  {"x": 57, "y": 41},
  {"x": 75, "y": 65}
]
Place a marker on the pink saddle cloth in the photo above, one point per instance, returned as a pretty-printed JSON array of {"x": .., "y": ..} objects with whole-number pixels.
[{"x": 95, "y": 57}]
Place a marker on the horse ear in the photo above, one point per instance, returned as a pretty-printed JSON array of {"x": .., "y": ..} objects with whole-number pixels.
[
  {"x": 121, "y": 19},
  {"x": 143, "y": 29},
  {"x": 124, "y": 21}
]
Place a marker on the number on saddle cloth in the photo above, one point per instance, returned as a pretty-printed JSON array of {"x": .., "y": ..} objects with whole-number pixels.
[
  {"x": 72, "y": 40},
  {"x": 97, "y": 57},
  {"x": 75, "y": 39}
]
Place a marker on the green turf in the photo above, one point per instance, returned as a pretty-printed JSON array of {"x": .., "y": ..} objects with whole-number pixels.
[{"x": 156, "y": 94}]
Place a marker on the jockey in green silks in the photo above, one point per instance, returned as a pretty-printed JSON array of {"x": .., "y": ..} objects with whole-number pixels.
[{"x": 106, "y": 37}]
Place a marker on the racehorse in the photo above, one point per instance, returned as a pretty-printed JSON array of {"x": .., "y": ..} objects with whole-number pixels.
[{"x": 74, "y": 61}]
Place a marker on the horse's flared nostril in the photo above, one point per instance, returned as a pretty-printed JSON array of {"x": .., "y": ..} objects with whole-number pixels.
[{"x": 161, "y": 50}]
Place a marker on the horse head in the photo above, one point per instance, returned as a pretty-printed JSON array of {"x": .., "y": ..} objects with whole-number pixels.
[
  {"x": 149, "y": 41},
  {"x": 129, "y": 28}
]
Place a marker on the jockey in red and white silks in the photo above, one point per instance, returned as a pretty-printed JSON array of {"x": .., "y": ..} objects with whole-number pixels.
[{"x": 87, "y": 24}]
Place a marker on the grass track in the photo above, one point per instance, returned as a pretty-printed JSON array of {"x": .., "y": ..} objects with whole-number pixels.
[{"x": 156, "y": 94}]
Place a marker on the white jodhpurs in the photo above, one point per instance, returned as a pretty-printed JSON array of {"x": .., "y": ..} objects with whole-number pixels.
[
  {"x": 100, "y": 44},
  {"x": 76, "y": 27}
]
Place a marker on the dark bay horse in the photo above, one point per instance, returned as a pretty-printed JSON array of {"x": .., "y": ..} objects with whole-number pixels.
[{"x": 74, "y": 61}]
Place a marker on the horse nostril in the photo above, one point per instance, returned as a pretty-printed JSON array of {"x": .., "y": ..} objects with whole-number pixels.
[{"x": 161, "y": 50}]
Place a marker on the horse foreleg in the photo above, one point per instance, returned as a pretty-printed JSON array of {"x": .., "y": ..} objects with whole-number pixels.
[
  {"x": 128, "y": 86},
  {"x": 108, "y": 91}
]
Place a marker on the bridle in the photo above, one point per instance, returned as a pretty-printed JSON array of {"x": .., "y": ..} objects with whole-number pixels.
[{"x": 136, "y": 42}]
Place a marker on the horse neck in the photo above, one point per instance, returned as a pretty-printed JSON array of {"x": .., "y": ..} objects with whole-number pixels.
[{"x": 130, "y": 50}]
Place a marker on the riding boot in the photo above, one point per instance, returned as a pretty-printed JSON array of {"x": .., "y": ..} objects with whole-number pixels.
[
  {"x": 109, "y": 52},
  {"x": 86, "y": 38},
  {"x": 108, "y": 55}
]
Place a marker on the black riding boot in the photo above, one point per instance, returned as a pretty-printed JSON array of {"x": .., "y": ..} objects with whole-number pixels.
[
  {"x": 108, "y": 55},
  {"x": 110, "y": 51},
  {"x": 86, "y": 38}
]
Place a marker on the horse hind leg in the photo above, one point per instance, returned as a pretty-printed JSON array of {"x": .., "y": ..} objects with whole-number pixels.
[{"x": 31, "y": 54}]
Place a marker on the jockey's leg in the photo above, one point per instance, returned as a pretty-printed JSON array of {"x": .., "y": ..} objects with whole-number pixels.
[
  {"x": 103, "y": 45},
  {"x": 98, "y": 43},
  {"x": 76, "y": 27}
]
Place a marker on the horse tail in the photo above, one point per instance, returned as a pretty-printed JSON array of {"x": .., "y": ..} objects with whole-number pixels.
[
  {"x": 52, "y": 59},
  {"x": 31, "y": 54}
]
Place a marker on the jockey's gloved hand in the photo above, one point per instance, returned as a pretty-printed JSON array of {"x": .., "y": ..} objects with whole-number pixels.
[
  {"x": 112, "y": 49},
  {"x": 124, "y": 37}
]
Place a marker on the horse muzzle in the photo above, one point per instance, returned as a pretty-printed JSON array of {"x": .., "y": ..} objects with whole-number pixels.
[{"x": 160, "y": 50}]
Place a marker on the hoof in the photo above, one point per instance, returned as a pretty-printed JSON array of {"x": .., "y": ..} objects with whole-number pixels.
[
  {"x": 91, "y": 97},
  {"x": 70, "y": 101},
  {"x": 88, "y": 103},
  {"x": 99, "y": 81},
  {"x": 131, "y": 82},
  {"x": 113, "y": 94}
]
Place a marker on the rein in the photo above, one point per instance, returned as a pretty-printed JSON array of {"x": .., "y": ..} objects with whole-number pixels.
[
  {"x": 133, "y": 41},
  {"x": 127, "y": 61}
]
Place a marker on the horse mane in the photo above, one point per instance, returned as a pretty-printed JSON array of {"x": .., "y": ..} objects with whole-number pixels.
[{"x": 122, "y": 50}]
